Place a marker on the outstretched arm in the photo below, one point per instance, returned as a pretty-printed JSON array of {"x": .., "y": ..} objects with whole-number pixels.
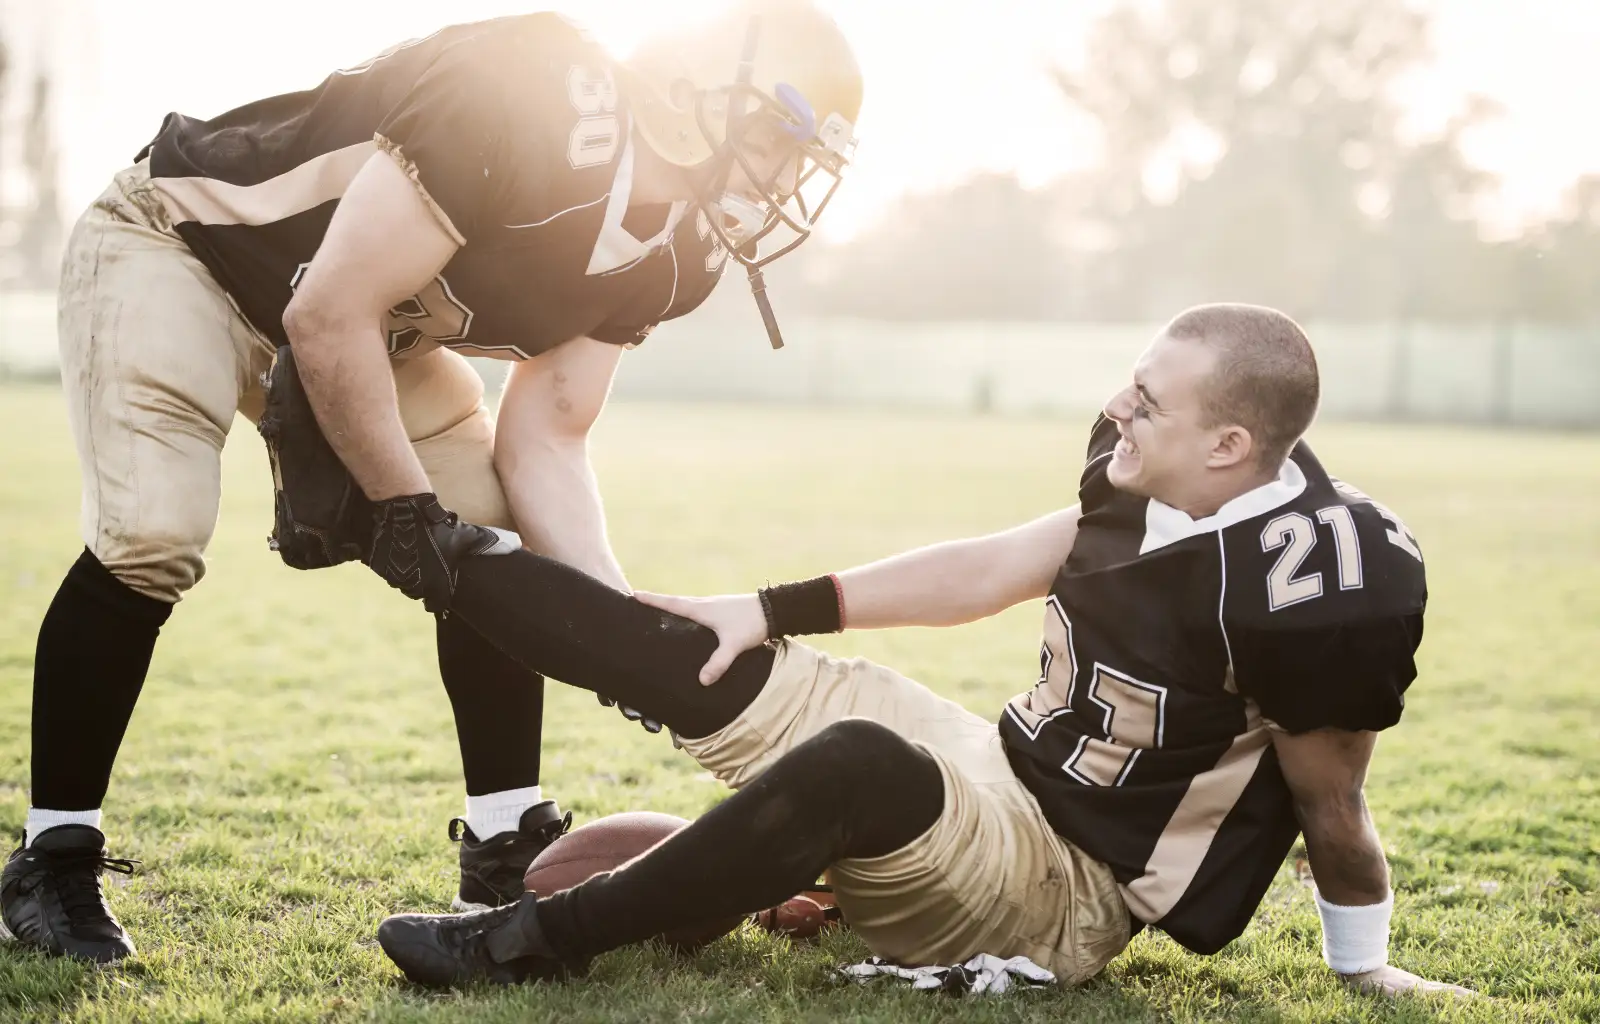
[
  {"x": 940, "y": 585},
  {"x": 960, "y": 580},
  {"x": 1326, "y": 770}
]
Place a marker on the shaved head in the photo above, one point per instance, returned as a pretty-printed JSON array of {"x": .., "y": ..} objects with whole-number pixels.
[{"x": 1265, "y": 378}]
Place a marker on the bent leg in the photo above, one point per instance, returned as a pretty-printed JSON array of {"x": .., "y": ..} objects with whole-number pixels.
[
  {"x": 986, "y": 874},
  {"x": 853, "y": 790},
  {"x": 153, "y": 359}
]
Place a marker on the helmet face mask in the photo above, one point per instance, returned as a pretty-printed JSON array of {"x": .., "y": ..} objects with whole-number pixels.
[{"x": 788, "y": 145}]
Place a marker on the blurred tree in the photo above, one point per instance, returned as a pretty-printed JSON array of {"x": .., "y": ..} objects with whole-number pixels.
[
  {"x": 30, "y": 210},
  {"x": 1558, "y": 267},
  {"x": 39, "y": 233},
  {"x": 5, "y": 82},
  {"x": 982, "y": 250},
  {"x": 1253, "y": 151}
]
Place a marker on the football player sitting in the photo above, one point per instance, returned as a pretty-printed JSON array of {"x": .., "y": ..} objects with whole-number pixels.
[{"x": 1227, "y": 628}]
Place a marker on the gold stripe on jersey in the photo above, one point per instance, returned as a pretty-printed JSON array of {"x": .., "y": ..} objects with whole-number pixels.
[
  {"x": 1189, "y": 834},
  {"x": 319, "y": 180}
]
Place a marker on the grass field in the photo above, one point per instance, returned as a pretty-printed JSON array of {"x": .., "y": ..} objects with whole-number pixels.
[{"x": 288, "y": 775}]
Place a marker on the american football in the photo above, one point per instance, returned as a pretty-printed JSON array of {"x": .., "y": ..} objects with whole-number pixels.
[
  {"x": 606, "y": 844},
  {"x": 601, "y": 845},
  {"x": 802, "y": 916},
  {"x": 785, "y": 510}
]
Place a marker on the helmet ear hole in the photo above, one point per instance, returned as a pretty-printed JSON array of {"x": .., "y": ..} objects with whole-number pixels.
[{"x": 681, "y": 93}]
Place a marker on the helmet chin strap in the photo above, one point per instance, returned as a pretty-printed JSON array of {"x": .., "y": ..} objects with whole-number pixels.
[
  {"x": 758, "y": 289},
  {"x": 748, "y": 219},
  {"x": 736, "y": 113}
]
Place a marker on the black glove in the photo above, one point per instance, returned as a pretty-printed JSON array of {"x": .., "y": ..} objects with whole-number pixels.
[
  {"x": 320, "y": 516},
  {"x": 417, "y": 547}
]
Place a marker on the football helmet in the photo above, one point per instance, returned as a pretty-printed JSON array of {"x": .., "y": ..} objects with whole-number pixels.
[{"x": 768, "y": 93}]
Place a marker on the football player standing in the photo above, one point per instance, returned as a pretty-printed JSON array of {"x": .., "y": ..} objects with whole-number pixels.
[
  {"x": 502, "y": 188},
  {"x": 1227, "y": 628}
]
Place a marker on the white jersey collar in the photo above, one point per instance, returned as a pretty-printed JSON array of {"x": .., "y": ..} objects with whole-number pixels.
[
  {"x": 615, "y": 248},
  {"x": 1164, "y": 525}
]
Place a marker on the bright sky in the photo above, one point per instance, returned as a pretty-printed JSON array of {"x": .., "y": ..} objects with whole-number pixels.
[{"x": 947, "y": 94}]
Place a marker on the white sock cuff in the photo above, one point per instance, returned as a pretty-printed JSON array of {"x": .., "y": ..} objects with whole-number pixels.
[
  {"x": 493, "y": 813},
  {"x": 41, "y": 818},
  {"x": 1355, "y": 939}
]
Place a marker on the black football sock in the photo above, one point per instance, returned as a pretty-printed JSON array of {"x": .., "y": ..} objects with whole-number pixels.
[
  {"x": 499, "y": 710},
  {"x": 856, "y": 789},
  {"x": 94, "y": 650},
  {"x": 554, "y": 619}
]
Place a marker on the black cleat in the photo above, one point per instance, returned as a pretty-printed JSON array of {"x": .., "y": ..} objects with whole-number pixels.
[
  {"x": 50, "y": 895},
  {"x": 505, "y": 946},
  {"x": 492, "y": 869}
]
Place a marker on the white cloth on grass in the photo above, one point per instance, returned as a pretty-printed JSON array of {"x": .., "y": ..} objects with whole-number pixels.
[{"x": 982, "y": 975}]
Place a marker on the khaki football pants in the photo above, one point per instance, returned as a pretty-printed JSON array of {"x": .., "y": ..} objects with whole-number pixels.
[
  {"x": 155, "y": 361},
  {"x": 989, "y": 877}
]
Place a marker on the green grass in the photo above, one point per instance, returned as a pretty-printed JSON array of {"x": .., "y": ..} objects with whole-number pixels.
[{"x": 289, "y": 772}]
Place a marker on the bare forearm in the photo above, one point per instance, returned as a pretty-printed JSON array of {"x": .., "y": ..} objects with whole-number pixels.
[
  {"x": 555, "y": 500},
  {"x": 960, "y": 580},
  {"x": 1346, "y": 855},
  {"x": 940, "y": 585},
  {"x": 381, "y": 245},
  {"x": 351, "y": 389}
]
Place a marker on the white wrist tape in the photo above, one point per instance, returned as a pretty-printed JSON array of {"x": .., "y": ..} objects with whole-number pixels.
[{"x": 1355, "y": 939}]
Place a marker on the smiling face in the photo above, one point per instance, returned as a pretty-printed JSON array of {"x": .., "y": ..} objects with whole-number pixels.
[
  {"x": 1167, "y": 449},
  {"x": 1217, "y": 402}
]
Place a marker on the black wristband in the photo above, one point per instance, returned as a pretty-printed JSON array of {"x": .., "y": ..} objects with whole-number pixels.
[
  {"x": 767, "y": 613},
  {"x": 797, "y": 609}
]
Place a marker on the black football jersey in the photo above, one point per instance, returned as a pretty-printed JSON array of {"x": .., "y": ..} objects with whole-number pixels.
[
  {"x": 516, "y": 135},
  {"x": 1173, "y": 647}
]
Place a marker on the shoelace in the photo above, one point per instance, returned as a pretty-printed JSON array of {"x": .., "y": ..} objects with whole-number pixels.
[
  {"x": 458, "y": 934},
  {"x": 77, "y": 880}
]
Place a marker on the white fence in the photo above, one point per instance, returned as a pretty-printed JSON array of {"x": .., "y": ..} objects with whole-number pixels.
[
  {"x": 1519, "y": 374},
  {"x": 1489, "y": 373}
]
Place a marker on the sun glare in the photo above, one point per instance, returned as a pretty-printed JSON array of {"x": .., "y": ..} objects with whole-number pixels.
[{"x": 949, "y": 91}]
